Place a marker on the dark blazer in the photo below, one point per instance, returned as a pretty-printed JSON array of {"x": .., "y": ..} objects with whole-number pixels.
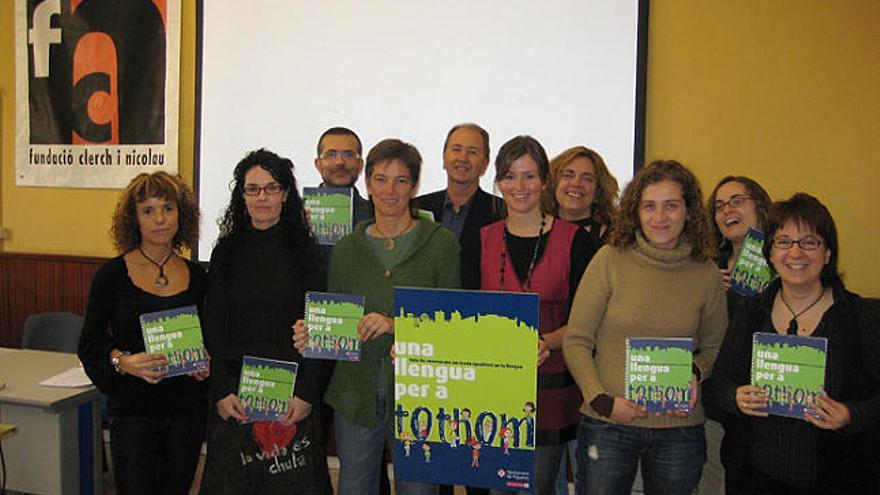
[{"x": 485, "y": 209}]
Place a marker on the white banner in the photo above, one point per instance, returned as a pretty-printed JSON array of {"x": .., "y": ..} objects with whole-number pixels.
[{"x": 97, "y": 91}]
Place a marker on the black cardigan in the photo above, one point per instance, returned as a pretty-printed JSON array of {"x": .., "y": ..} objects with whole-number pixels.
[{"x": 794, "y": 451}]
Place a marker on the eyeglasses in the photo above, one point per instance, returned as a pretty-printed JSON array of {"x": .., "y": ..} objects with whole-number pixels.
[
  {"x": 271, "y": 189},
  {"x": 735, "y": 201},
  {"x": 809, "y": 243},
  {"x": 347, "y": 155}
]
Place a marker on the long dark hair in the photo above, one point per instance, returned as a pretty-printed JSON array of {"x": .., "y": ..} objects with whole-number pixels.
[{"x": 235, "y": 221}]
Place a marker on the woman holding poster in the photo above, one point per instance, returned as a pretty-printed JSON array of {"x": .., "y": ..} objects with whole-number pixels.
[
  {"x": 654, "y": 280},
  {"x": 531, "y": 251},
  {"x": 264, "y": 262},
  {"x": 156, "y": 424},
  {"x": 397, "y": 249},
  {"x": 736, "y": 204},
  {"x": 830, "y": 447}
]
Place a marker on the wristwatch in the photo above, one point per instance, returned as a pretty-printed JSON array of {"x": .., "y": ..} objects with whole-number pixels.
[{"x": 114, "y": 360}]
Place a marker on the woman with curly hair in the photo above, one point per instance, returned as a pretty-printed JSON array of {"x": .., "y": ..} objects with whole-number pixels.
[
  {"x": 582, "y": 191},
  {"x": 264, "y": 262},
  {"x": 654, "y": 279},
  {"x": 157, "y": 425}
]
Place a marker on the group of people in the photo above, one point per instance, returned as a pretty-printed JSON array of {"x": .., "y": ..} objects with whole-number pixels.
[{"x": 656, "y": 264}]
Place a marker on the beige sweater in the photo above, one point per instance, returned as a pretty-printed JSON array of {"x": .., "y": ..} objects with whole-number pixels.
[{"x": 642, "y": 291}]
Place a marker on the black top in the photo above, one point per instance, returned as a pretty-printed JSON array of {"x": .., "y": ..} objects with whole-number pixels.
[
  {"x": 597, "y": 235},
  {"x": 256, "y": 292},
  {"x": 794, "y": 451},
  {"x": 113, "y": 321},
  {"x": 521, "y": 250}
]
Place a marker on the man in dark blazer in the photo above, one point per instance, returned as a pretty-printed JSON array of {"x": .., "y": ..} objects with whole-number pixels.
[{"x": 463, "y": 207}]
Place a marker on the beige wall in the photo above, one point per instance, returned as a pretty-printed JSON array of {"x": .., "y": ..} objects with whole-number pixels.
[{"x": 783, "y": 91}]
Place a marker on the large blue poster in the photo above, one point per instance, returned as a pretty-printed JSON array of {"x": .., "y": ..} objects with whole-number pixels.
[{"x": 465, "y": 387}]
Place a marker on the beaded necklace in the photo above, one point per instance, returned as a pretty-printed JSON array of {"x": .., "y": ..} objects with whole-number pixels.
[{"x": 528, "y": 282}]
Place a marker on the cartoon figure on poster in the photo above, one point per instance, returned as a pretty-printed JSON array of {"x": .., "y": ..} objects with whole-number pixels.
[{"x": 465, "y": 404}]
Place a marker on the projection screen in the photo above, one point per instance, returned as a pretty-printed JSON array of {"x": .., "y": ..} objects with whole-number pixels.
[{"x": 277, "y": 73}]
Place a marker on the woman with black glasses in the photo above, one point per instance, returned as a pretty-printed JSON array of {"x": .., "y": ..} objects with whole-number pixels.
[
  {"x": 264, "y": 262},
  {"x": 829, "y": 449}
]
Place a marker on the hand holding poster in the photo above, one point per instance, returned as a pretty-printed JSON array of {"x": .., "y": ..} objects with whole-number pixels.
[
  {"x": 658, "y": 374},
  {"x": 790, "y": 369},
  {"x": 465, "y": 387},
  {"x": 332, "y": 320},
  {"x": 265, "y": 387},
  {"x": 177, "y": 335},
  {"x": 330, "y": 212},
  {"x": 751, "y": 274}
]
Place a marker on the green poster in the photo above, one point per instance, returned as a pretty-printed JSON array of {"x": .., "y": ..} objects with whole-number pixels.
[{"x": 465, "y": 387}]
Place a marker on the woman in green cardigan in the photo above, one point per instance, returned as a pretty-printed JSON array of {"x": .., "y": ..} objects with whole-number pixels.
[{"x": 397, "y": 249}]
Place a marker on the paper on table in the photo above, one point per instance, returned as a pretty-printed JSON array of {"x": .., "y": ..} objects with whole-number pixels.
[{"x": 73, "y": 378}]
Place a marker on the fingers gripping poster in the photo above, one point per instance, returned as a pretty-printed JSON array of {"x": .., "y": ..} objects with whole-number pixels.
[
  {"x": 465, "y": 387},
  {"x": 97, "y": 84}
]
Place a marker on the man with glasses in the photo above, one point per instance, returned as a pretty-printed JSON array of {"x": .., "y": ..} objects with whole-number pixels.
[
  {"x": 463, "y": 207},
  {"x": 340, "y": 163}
]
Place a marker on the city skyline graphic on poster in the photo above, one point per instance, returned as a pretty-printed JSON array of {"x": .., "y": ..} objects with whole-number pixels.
[{"x": 465, "y": 387}]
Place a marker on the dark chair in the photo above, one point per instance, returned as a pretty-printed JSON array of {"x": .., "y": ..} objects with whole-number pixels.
[{"x": 52, "y": 332}]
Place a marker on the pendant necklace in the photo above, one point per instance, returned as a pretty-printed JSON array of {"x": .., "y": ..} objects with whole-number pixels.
[
  {"x": 161, "y": 279},
  {"x": 389, "y": 244},
  {"x": 527, "y": 285},
  {"x": 793, "y": 324}
]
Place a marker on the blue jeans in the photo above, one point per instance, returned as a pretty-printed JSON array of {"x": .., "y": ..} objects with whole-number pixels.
[
  {"x": 155, "y": 455},
  {"x": 608, "y": 456},
  {"x": 562, "y": 475},
  {"x": 359, "y": 448}
]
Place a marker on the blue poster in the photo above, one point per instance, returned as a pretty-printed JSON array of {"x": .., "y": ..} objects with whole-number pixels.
[{"x": 465, "y": 387}]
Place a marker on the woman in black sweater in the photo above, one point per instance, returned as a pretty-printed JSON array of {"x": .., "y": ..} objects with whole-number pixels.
[
  {"x": 832, "y": 449},
  {"x": 157, "y": 425},
  {"x": 264, "y": 262}
]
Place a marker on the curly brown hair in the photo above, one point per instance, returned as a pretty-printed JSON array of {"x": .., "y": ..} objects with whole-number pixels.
[
  {"x": 697, "y": 229},
  {"x": 604, "y": 206},
  {"x": 125, "y": 230}
]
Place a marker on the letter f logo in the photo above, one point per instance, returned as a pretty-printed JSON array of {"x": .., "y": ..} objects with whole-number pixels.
[{"x": 42, "y": 36}]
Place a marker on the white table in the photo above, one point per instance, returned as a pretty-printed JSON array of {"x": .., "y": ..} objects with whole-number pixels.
[{"x": 57, "y": 445}]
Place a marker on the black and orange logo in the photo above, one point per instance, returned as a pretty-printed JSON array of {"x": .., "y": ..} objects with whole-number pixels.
[{"x": 97, "y": 71}]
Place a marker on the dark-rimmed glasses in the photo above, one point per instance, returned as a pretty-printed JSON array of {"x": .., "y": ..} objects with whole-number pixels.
[
  {"x": 735, "y": 201},
  {"x": 808, "y": 243},
  {"x": 271, "y": 189}
]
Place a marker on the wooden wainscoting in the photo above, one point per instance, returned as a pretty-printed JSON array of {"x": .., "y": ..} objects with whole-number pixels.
[{"x": 34, "y": 283}]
